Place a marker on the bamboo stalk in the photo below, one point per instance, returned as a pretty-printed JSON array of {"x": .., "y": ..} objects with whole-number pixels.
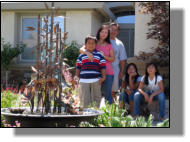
[
  {"x": 51, "y": 34},
  {"x": 60, "y": 70},
  {"x": 37, "y": 63}
]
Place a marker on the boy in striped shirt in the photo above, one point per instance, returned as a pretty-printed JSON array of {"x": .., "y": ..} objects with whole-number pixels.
[{"x": 91, "y": 74}]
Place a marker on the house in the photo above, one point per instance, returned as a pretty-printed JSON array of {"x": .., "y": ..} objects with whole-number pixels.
[{"x": 79, "y": 19}]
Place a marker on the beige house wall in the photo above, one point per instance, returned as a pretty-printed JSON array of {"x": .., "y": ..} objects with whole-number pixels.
[
  {"x": 78, "y": 25},
  {"x": 141, "y": 28},
  {"x": 8, "y": 26},
  {"x": 97, "y": 21}
]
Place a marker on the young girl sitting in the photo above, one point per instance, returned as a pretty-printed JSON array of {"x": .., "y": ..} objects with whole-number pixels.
[
  {"x": 130, "y": 84},
  {"x": 153, "y": 87}
]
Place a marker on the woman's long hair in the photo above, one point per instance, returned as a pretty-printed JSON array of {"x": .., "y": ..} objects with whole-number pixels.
[
  {"x": 100, "y": 29},
  {"x": 146, "y": 73},
  {"x": 127, "y": 75}
]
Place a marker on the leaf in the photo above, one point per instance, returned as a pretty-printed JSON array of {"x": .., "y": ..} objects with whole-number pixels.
[
  {"x": 46, "y": 5},
  {"x": 55, "y": 29},
  {"x": 65, "y": 35},
  {"x": 34, "y": 69},
  {"x": 45, "y": 20},
  {"x": 30, "y": 28}
]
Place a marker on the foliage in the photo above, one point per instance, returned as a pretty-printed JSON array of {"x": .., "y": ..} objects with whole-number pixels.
[
  {"x": 10, "y": 98},
  {"x": 9, "y": 52},
  {"x": 158, "y": 29},
  {"x": 5, "y": 124},
  {"x": 165, "y": 123},
  {"x": 71, "y": 53},
  {"x": 115, "y": 117}
]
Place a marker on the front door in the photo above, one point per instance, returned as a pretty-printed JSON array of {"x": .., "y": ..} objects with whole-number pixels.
[{"x": 126, "y": 35}]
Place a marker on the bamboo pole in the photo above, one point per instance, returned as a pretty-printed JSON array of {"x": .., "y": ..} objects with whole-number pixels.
[{"x": 60, "y": 70}]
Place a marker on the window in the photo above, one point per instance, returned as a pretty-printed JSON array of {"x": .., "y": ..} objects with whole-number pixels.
[
  {"x": 30, "y": 37},
  {"x": 126, "y": 19}
]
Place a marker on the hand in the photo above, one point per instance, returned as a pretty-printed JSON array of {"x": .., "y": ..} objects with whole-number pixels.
[
  {"x": 101, "y": 80},
  {"x": 121, "y": 75},
  {"x": 133, "y": 74},
  {"x": 146, "y": 98},
  {"x": 102, "y": 53},
  {"x": 150, "y": 100},
  {"x": 90, "y": 56},
  {"x": 129, "y": 92}
]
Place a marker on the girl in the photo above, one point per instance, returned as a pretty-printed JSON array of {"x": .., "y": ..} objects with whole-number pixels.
[
  {"x": 154, "y": 89},
  {"x": 130, "y": 84},
  {"x": 104, "y": 46}
]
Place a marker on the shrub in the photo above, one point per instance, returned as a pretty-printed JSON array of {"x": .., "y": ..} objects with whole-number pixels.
[
  {"x": 9, "y": 98},
  {"x": 71, "y": 53},
  {"x": 9, "y": 52},
  {"x": 115, "y": 117}
]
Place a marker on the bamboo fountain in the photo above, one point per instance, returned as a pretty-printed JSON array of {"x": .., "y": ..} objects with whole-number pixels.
[{"x": 53, "y": 107}]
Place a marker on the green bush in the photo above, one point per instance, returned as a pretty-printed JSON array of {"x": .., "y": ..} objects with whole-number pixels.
[
  {"x": 71, "y": 53},
  {"x": 9, "y": 99},
  {"x": 115, "y": 117},
  {"x": 9, "y": 52}
]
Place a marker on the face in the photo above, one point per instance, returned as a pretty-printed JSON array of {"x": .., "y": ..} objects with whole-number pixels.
[
  {"x": 103, "y": 34},
  {"x": 114, "y": 31},
  {"x": 151, "y": 69},
  {"x": 90, "y": 45},
  {"x": 131, "y": 70}
]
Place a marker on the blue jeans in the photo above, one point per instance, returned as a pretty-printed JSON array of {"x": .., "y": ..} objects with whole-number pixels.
[
  {"x": 124, "y": 97},
  {"x": 107, "y": 88},
  {"x": 139, "y": 98}
]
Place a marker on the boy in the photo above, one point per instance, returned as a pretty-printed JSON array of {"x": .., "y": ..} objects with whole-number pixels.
[{"x": 91, "y": 74}]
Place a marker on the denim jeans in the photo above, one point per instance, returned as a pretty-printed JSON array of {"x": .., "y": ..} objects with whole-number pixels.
[
  {"x": 139, "y": 98},
  {"x": 107, "y": 88},
  {"x": 124, "y": 97}
]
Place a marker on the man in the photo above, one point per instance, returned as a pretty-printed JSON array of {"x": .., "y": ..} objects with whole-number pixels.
[{"x": 120, "y": 58}]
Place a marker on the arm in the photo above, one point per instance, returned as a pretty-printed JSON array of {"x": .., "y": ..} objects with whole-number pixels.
[
  {"x": 110, "y": 58},
  {"x": 159, "y": 91},
  {"x": 131, "y": 84},
  {"x": 140, "y": 89},
  {"x": 103, "y": 72},
  {"x": 123, "y": 84},
  {"x": 83, "y": 51},
  {"x": 77, "y": 73},
  {"x": 123, "y": 59},
  {"x": 122, "y": 67}
]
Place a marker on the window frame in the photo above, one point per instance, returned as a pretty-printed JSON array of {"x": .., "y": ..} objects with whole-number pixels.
[
  {"x": 21, "y": 39},
  {"x": 21, "y": 33}
]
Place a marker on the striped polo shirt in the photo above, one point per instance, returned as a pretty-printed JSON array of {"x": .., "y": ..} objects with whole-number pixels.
[{"x": 90, "y": 69}]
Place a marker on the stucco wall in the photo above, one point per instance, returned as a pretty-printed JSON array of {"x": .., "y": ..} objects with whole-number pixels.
[
  {"x": 78, "y": 25},
  {"x": 96, "y": 22},
  {"x": 141, "y": 28},
  {"x": 8, "y": 26}
]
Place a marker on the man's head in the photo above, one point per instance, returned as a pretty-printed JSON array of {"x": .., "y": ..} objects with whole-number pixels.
[
  {"x": 90, "y": 43},
  {"x": 114, "y": 30}
]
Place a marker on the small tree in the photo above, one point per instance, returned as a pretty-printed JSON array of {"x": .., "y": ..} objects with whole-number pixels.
[
  {"x": 158, "y": 29},
  {"x": 8, "y": 53},
  {"x": 71, "y": 53}
]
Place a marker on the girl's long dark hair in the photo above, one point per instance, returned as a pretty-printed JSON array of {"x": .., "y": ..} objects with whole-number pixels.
[
  {"x": 100, "y": 29},
  {"x": 127, "y": 75},
  {"x": 146, "y": 73}
]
